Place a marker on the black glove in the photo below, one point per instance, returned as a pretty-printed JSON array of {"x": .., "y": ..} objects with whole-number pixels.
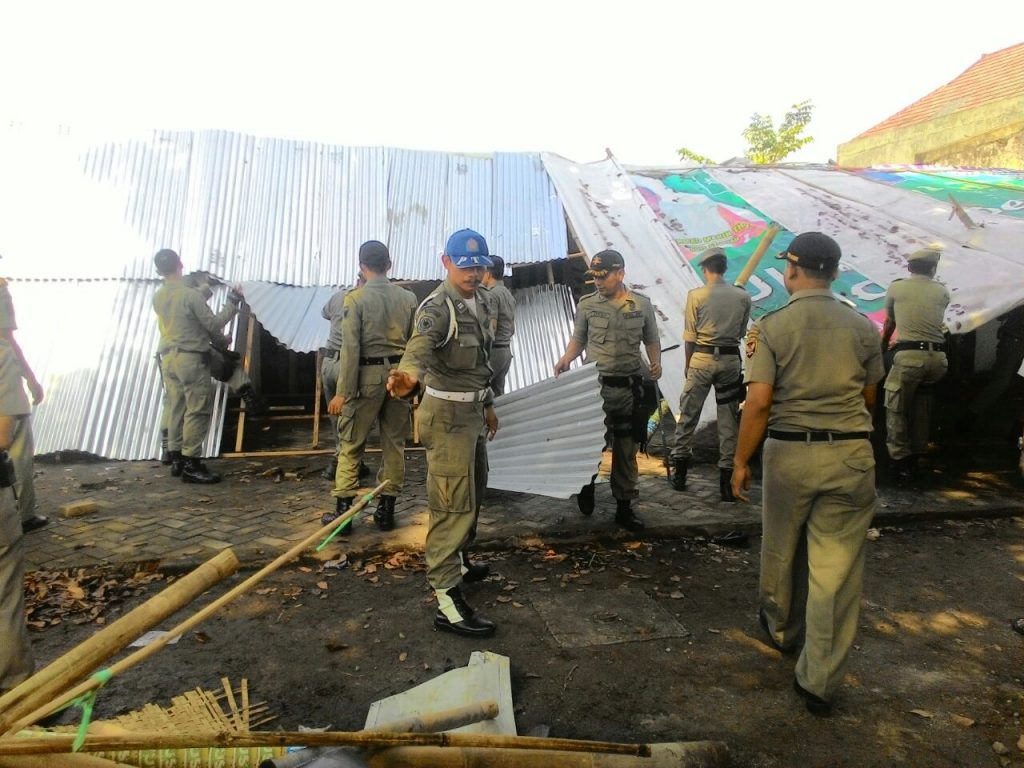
[{"x": 6, "y": 470}]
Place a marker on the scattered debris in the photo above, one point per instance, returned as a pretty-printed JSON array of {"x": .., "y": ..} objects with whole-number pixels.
[
  {"x": 78, "y": 508},
  {"x": 80, "y": 595}
]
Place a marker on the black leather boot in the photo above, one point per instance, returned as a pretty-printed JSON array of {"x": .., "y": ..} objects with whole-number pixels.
[
  {"x": 254, "y": 405},
  {"x": 330, "y": 470},
  {"x": 384, "y": 517},
  {"x": 364, "y": 471},
  {"x": 725, "y": 484},
  {"x": 471, "y": 571},
  {"x": 177, "y": 463},
  {"x": 454, "y": 615},
  {"x": 194, "y": 471},
  {"x": 585, "y": 499},
  {"x": 341, "y": 506},
  {"x": 165, "y": 455},
  {"x": 625, "y": 516},
  {"x": 679, "y": 467}
]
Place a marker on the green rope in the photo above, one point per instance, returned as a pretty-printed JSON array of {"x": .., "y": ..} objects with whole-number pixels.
[
  {"x": 86, "y": 701},
  {"x": 367, "y": 498}
]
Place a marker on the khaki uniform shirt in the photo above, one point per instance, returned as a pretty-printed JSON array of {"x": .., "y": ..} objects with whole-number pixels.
[
  {"x": 818, "y": 354},
  {"x": 186, "y": 322},
  {"x": 377, "y": 323},
  {"x": 334, "y": 311},
  {"x": 613, "y": 334},
  {"x": 505, "y": 303},
  {"x": 917, "y": 304},
  {"x": 459, "y": 364},
  {"x": 13, "y": 400},
  {"x": 716, "y": 315}
]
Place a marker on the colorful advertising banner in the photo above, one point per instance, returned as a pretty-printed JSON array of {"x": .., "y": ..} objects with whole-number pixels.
[{"x": 996, "y": 192}]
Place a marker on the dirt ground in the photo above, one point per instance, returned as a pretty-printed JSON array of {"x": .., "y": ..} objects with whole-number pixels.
[{"x": 936, "y": 676}]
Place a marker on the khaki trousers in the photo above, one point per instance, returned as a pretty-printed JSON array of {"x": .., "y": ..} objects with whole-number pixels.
[
  {"x": 16, "y": 662},
  {"x": 452, "y": 434},
  {"x": 618, "y": 421},
  {"x": 329, "y": 384},
  {"x": 190, "y": 401},
  {"x": 22, "y": 454},
  {"x": 907, "y": 411},
  {"x": 501, "y": 361},
  {"x": 818, "y": 502},
  {"x": 725, "y": 374},
  {"x": 371, "y": 405}
]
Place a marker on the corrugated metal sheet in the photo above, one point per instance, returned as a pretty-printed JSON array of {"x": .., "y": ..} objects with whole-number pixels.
[
  {"x": 258, "y": 209},
  {"x": 91, "y": 344},
  {"x": 550, "y": 436},
  {"x": 291, "y": 314}
]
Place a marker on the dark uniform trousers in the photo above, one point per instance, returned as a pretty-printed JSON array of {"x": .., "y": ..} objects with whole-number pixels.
[
  {"x": 454, "y": 436},
  {"x": 618, "y": 421}
]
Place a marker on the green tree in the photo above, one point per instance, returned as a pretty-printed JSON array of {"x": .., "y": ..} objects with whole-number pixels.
[{"x": 765, "y": 144}]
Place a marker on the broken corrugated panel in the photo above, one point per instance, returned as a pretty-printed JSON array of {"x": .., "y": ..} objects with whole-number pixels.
[
  {"x": 291, "y": 314},
  {"x": 550, "y": 436}
]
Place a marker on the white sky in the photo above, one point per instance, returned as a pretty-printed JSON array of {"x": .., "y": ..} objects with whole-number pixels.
[{"x": 567, "y": 76}]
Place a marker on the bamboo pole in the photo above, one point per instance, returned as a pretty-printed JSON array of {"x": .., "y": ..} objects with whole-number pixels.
[
  {"x": 66, "y": 761},
  {"x": 86, "y": 657},
  {"x": 755, "y": 259},
  {"x": 317, "y": 397},
  {"x": 144, "y": 653},
  {"x": 26, "y": 744},
  {"x": 445, "y": 720}
]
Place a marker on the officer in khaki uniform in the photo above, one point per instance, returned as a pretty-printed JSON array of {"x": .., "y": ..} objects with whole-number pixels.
[
  {"x": 812, "y": 373},
  {"x": 505, "y": 326},
  {"x": 16, "y": 661},
  {"x": 914, "y": 309},
  {"x": 448, "y": 356},
  {"x": 716, "y": 319},
  {"x": 377, "y": 323},
  {"x": 611, "y": 324},
  {"x": 187, "y": 328},
  {"x": 22, "y": 448}
]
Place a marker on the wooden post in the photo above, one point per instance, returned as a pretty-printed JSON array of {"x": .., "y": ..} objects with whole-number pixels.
[
  {"x": 246, "y": 365},
  {"x": 81, "y": 660},
  {"x": 317, "y": 398}
]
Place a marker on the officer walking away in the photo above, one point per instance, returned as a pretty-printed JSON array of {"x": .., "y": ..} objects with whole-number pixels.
[
  {"x": 505, "y": 327},
  {"x": 611, "y": 324},
  {"x": 812, "y": 372},
  {"x": 22, "y": 447},
  {"x": 716, "y": 319},
  {"x": 377, "y": 324},
  {"x": 187, "y": 328},
  {"x": 914, "y": 309},
  {"x": 447, "y": 356}
]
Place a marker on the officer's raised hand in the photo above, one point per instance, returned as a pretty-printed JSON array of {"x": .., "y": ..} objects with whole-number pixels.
[
  {"x": 491, "y": 418},
  {"x": 401, "y": 383}
]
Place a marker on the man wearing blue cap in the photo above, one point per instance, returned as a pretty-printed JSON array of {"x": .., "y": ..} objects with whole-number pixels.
[
  {"x": 611, "y": 324},
  {"x": 448, "y": 358}
]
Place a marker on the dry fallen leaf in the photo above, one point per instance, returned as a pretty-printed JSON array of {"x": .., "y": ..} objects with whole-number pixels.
[
  {"x": 322, "y": 584},
  {"x": 334, "y": 645},
  {"x": 201, "y": 637},
  {"x": 922, "y": 713},
  {"x": 963, "y": 722},
  {"x": 677, "y": 595},
  {"x": 503, "y": 599},
  {"x": 517, "y": 605},
  {"x": 403, "y": 656},
  {"x": 305, "y": 569}
]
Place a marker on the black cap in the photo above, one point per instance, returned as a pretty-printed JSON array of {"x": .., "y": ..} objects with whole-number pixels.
[
  {"x": 813, "y": 250},
  {"x": 166, "y": 261},
  {"x": 605, "y": 262},
  {"x": 375, "y": 255}
]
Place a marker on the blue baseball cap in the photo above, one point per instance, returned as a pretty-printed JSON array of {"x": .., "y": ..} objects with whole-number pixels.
[{"x": 467, "y": 248}]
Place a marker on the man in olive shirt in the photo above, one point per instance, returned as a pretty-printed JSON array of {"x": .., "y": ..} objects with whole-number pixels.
[
  {"x": 716, "y": 319},
  {"x": 812, "y": 371},
  {"x": 187, "y": 328},
  {"x": 376, "y": 325},
  {"x": 914, "y": 309},
  {"x": 505, "y": 326},
  {"x": 611, "y": 324},
  {"x": 447, "y": 356}
]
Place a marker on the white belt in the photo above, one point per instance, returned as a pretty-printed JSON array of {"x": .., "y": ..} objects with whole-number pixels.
[{"x": 458, "y": 397}]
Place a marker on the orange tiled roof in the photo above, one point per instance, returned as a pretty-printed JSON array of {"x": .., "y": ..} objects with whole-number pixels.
[{"x": 994, "y": 76}]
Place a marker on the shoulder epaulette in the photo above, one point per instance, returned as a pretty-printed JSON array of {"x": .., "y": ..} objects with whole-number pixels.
[{"x": 453, "y": 324}]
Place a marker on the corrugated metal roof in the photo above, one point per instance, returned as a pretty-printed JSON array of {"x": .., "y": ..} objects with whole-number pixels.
[
  {"x": 291, "y": 314},
  {"x": 91, "y": 344},
  {"x": 259, "y": 209},
  {"x": 550, "y": 436}
]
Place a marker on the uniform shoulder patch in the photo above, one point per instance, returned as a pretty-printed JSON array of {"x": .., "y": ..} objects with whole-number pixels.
[{"x": 424, "y": 322}]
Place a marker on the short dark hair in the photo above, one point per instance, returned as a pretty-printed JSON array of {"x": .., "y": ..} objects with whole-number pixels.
[
  {"x": 922, "y": 267},
  {"x": 374, "y": 255},
  {"x": 715, "y": 263},
  {"x": 497, "y": 268},
  {"x": 828, "y": 273},
  {"x": 166, "y": 261}
]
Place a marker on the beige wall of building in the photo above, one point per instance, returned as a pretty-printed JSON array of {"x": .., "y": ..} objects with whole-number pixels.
[{"x": 990, "y": 136}]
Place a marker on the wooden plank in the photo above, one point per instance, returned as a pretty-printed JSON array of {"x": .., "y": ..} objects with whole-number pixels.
[{"x": 246, "y": 365}]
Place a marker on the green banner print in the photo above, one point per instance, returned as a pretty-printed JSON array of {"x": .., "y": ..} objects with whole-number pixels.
[
  {"x": 995, "y": 192},
  {"x": 701, "y": 213}
]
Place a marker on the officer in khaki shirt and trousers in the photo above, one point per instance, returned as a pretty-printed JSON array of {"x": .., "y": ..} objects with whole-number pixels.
[
  {"x": 716, "y": 319},
  {"x": 447, "y": 356},
  {"x": 611, "y": 324},
  {"x": 505, "y": 326},
  {"x": 377, "y": 321},
  {"x": 914, "y": 309},
  {"x": 812, "y": 372}
]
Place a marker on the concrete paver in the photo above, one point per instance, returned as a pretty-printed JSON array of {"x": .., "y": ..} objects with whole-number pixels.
[{"x": 146, "y": 515}]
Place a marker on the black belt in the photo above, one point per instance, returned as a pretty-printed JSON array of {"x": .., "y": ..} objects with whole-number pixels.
[
  {"x": 720, "y": 350},
  {"x": 380, "y": 360},
  {"x": 331, "y": 353},
  {"x": 499, "y": 346},
  {"x": 620, "y": 381},
  {"x": 817, "y": 437},
  {"x": 934, "y": 346}
]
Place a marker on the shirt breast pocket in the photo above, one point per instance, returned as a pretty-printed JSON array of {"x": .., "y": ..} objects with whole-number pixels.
[
  {"x": 633, "y": 330},
  {"x": 598, "y": 329},
  {"x": 464, "y": 353}
]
